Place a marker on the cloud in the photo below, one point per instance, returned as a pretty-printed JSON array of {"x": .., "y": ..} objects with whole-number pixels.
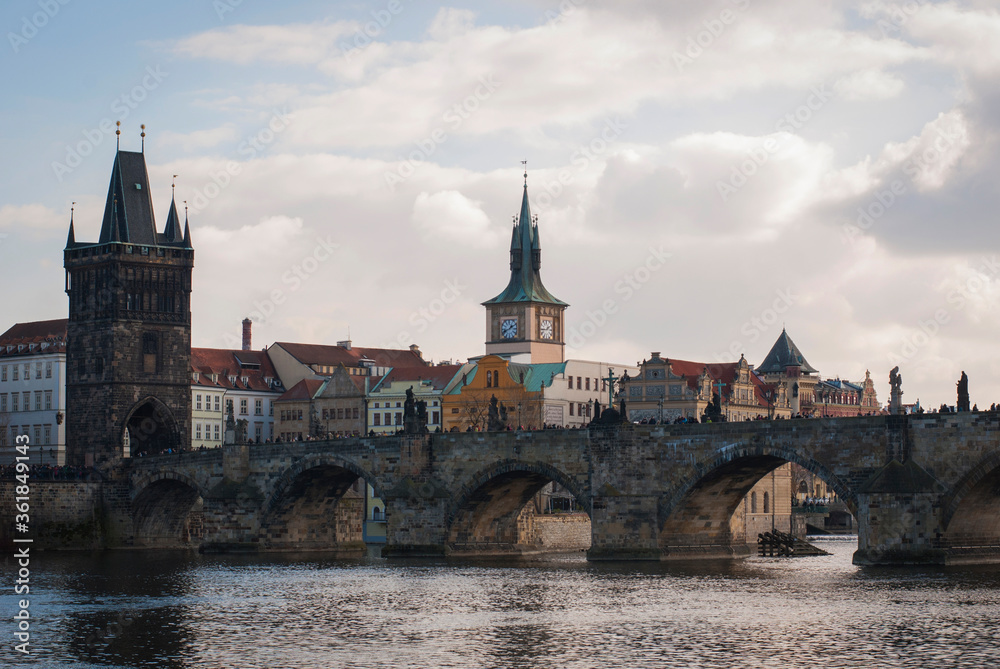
[{"x": 448, "y": 217}]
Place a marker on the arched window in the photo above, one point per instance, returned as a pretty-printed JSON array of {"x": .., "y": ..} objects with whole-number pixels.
[
  {"x": 489, "y": 378},
  {"x": 766, "y": 509},
  {"x": 753, "y": 502}
]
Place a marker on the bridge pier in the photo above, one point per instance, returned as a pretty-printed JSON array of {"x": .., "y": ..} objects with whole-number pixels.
[
  {"x": 624, "y": 527},
  {"x": 899, "y": 518},
  {"x": 416, "y": 520}
]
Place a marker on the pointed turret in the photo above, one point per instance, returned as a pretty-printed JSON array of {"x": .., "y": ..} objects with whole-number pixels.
[
  {"x": 187, "y": 235},
  {"x": 71, "y": 237},
  {"x": 172, "y": 230},
  {"x": 525, "y": 261}
]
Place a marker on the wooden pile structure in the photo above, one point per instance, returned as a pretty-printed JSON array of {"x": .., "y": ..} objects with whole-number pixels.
[{"x": 780, "y": 544}]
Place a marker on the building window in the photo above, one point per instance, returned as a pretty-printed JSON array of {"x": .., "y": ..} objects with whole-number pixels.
[
  {"x": 578, "y": 383},
  {"x": 587, "y": 384},
  {"x": 38, "y": 370},
  {"x": 340, "y": 414},
  {"x": 216, "y": 431},
  {"x": 48, "y": 434},
  {"x": 217, "y": 399},
  {"x": 26, "y": 400},
  {"x": 571, "y": 405},
  {"x": 150, "y": 350},
  {"x": 3, "y": 401},
  {"x": 243, "y": 406},
  {"x": 38, "y": 434},
  {"x": 258, "y": 432},
  {"x": 27, "y": 371},
  {"x": 270, "y": 408},
  {"x": 258, "y": 407},
  {"x": 766, "y": 506},
  {"x": 197, "y": 430},
  {"x": 570, "y": 379},
  {"x": 48, "y": 370},
  {"x": 435, "y": 417},
  {"x": 48, "y": 400},
  {"x": 3, "y": 373},
  {"x": 354, "y": 413},
  {"x": 377, "y": 419},
  {"x": 13, "y": 402},
  {"x": 15, "y": 378},
  {"x": 388, "y": 418},
  {"x": 753, "y": 502},
  {"x": 197, "y": 402},
  {"x": 399, "y": 418}
]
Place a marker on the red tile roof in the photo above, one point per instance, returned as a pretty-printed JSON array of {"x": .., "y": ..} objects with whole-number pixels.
[
  {"x": 438, "y": 375},
  {"x": 34, "y": 332},
  {"x": 324, "y": 354},
  {"x": 303, "y": 390},
  {"x": 256, "y": 367}
]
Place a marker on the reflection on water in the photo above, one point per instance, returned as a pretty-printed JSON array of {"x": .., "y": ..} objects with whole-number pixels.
[{"x": 162, "y": 609}]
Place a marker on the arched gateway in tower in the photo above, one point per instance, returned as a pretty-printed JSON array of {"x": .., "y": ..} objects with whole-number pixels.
[{"x": 128, "y": 354}]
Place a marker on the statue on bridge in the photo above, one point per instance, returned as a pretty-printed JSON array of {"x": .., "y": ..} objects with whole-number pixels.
[
  {"x": 963, "y": 393},
  {"x": 497, "y": 416},
  {"x": 414, "y": 414},
  {"x": 895, "y": 391}
]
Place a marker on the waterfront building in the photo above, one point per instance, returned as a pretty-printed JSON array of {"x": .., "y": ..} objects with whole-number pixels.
[
  {"x": 837, "y": 397},
  {"x": 128, "y": 351},
  {"x": 33, "y": 390},
  {"x": 766, "y": 508},
  {"x": 387, "y": 397},
  {"x": 325, "y": 407},
  {"x": 785, "y": 366},
  {"x": 670, "y": 389},
  {"x": 241, "y": 379},
  {"x": 294, "y": 362}
]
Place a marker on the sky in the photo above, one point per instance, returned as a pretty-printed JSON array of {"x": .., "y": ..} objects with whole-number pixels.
[{"x": 704, "y": 173}]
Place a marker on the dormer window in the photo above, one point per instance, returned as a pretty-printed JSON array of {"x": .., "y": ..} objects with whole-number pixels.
[
  {"x": 194, "y": 376},
  {"x": 232, "y": 379},
  {"x": 245, "y": 380}
]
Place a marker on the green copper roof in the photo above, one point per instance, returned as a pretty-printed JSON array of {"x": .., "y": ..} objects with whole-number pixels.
[
  {"x": 525, "y": 262},
  {"x": 536, "y": 376}
]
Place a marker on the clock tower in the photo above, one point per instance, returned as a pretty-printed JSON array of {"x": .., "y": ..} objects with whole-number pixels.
[{"x": 526, "y": 318}]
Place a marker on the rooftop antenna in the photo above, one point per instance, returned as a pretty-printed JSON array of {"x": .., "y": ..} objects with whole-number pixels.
[
  {"x": 118, "y": 135},
  {"x": 143, "y": 135}
]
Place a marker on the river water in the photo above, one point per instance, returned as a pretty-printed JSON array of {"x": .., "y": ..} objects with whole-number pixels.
[{"x": 163, "y": 609}]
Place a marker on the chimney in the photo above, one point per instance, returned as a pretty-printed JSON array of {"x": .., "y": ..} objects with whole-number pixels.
[
  {"x": 416, "y": 349},
  {"x": 247, "y": 324}
]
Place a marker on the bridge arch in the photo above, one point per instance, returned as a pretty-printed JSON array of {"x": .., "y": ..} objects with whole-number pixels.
[
  {"x": 698, "y": 512},
  {"x": 970, "y": 513},
  {"x": 483, "y": 516},
  {"x": 166, "y": 510},
  {"x": 305, "y": 508}
]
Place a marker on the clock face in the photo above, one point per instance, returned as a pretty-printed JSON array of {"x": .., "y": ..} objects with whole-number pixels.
[
  {"x": 508, "y": 328},
  {"x": 545, "y": 329}
]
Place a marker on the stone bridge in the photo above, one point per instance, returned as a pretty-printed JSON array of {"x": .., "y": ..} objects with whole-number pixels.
[{"x": 924, "y": 488}]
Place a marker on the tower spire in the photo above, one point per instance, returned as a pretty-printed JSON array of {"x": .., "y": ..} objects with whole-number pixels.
[
  {"x": 71, "y": 238},
  {"x": 118, "y": 136},
  {"x": 143, "y": 136}
]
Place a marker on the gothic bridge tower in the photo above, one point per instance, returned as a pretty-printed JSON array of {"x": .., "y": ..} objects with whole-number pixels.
[
  {"x": 128, "y": 357},
  {"x": 526, "y": 318}
]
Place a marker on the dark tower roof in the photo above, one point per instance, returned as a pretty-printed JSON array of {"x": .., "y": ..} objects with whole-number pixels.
[
  {"x": 128, "y": 212},
  {"x": 172, "y": 230},
  {"x": 784, "y": 354},
  {"x": 525, "y": 262}
]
